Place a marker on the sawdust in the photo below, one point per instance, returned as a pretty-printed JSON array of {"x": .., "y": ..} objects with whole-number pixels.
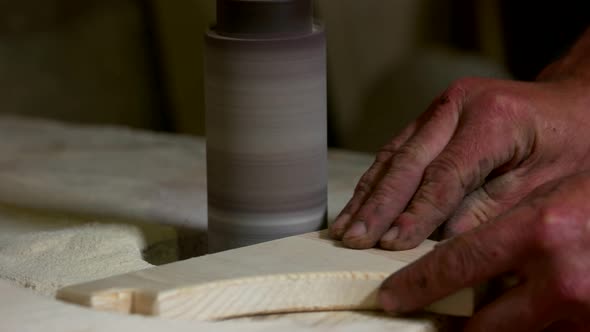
[
  {"x": 46, "y": 250},
  {"x": 48, "y": 260}
]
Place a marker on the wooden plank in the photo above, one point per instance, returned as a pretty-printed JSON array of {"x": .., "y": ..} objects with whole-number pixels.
[
  {"x": 27, "y": 312},
  {"x": 302, "y": 273}
]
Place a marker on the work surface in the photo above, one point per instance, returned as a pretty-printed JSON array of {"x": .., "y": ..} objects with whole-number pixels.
[{"x": 65, "y": 191}]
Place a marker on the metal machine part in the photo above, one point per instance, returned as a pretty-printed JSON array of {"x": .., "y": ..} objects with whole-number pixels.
[{"x": 264, "y": 18}]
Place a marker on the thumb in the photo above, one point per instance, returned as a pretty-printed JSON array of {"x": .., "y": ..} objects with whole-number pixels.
[{"x": 463, "y": 261}]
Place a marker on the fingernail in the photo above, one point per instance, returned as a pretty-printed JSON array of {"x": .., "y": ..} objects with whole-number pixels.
[
  {"x": 338, "y": 228},
  {"x": 357, "y": 229},
  {"x": 391, "y": 235},
  {"x": 387, "y": 302}
]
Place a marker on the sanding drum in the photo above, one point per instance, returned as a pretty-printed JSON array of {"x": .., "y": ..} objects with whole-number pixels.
[{"x": 265, "y": 79}]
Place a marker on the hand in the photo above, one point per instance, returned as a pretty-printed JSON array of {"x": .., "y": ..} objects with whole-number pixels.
[
  {"x": 479, "y": 149},
  {"x": 544, "y": 242}
]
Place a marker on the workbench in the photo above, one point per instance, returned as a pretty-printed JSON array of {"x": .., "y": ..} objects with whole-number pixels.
[{"x": 127, "y": 196}]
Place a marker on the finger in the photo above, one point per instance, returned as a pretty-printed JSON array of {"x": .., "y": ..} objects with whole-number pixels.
[
  {"x": 376, "y": 172},
  {"x": 368, "y": 181},
  {"x": 494, "y": 198},
  {"x": 520, "y": 309},
  {"x": 400, "y": 181},
  {"x": 461, "y": 168},
  {"x": 464, "y": 261},
  {"x": 486, "y": 203}
]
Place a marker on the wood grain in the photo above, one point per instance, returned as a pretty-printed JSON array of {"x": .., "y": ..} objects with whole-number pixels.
[
  {"x": 297, "y": 274},
  {"x": 26, "y": 312}
]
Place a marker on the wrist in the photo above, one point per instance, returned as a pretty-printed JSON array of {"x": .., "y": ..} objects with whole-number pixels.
[
  {"x": 564, "y": 71},
  {"x": 574, "y": 65}
]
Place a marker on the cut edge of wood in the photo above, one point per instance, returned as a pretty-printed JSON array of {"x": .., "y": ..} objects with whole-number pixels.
[
  {"x": 112, "y": 300},
  {"x": 260, "y": 295}
]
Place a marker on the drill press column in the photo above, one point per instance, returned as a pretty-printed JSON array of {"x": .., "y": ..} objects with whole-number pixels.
[{"x": 265, "y": 79}]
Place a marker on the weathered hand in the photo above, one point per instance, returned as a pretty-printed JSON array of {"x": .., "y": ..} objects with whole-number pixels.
[
  {"x": 544, "y": 241},
  {"x": 479, "y": 149}
]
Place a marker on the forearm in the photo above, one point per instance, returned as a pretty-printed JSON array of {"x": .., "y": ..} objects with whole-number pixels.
[{"x": 575, "y": 64}]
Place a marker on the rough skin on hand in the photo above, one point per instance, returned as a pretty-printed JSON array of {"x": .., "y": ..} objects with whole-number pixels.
[
  {"x": 544, "y": 241},
  {"x": 480, "y": 148},
  {"x": 503, "y": 169}
]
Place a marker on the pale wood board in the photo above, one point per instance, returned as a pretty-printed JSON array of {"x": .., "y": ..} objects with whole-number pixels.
[
  {"x": 27, "y": 312},
  {"x": 302, "y": 273}
]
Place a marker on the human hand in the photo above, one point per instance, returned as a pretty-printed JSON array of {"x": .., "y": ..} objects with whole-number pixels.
[
  {"x": 544, "y": 241},
  {"x": 479, "y": 149}
]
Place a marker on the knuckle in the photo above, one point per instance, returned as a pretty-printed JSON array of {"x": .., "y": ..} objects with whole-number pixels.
[
  {"x": 496, "y": 99},
  {"x": 458, "y": 87},
  {"x": 363, "y": 187},
  {"x": 442, "y": 112},
  {"x": 367, "y": 182},
  {"x": 384, "y": 194},
  {"x": 430, "y": 198},
  {"x": 390, "y": 187},
  {"x": 481, "y": 206},
  {"x": 397, "y": 140},
  {"x": 443, "y": 168},
  {"x": 384, "y": 154},
  {"x": 410, "y": 155}
]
